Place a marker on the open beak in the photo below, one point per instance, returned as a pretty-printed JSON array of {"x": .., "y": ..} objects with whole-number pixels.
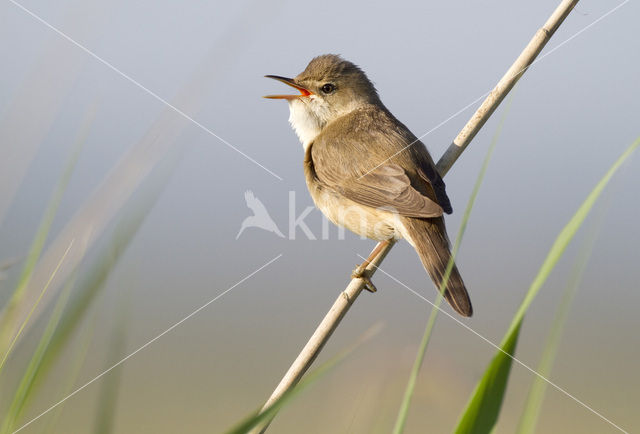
[{"x": 303, "y": 92}]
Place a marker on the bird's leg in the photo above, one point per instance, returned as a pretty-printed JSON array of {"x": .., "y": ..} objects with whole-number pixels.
[
  {"x": 379, "y": 247},
  {"x": 361, "y": 272}
]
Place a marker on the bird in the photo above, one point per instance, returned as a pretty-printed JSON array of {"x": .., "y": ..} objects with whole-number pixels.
[
  {"x": 367, "y": 172},
  {"x": 260, "y": 218}
]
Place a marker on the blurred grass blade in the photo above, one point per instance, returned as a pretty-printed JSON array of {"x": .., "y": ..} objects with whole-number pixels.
[
  {"x": 90, "y": 286},
  {"x": 80, "y": 354},
  {"x": 403, "y": 413},
  {"x": 531, "y": 412},
  {"x": 8, "y": 324},
  {"x": 258, "y": 420},
  {"x": 22, "y": 393},
  {"x": 35, "y": 305},
  {"x": 107, "y": 401},
  {"x": 88, "y": 289},
  {"x": 484, "y": 405},
  {"x": 160, "y": 140}
]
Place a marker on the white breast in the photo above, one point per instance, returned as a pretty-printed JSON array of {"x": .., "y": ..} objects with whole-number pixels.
[{"x": 305, "y": 122}]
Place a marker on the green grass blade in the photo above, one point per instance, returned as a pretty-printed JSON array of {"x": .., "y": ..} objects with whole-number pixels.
[
  {"x": 33, "y": 308},
  {"x": 483, "y": 409},
  {"x": 531, "y": 412},
  {"x": 403, "y": 413},
  {"x": 568, "y": 233},
  {"x": 9, "y": 329},
  {"x": 80, "y": 353},
  {"x": 23, "y": 392},
  {"x": 94, "y": 280},
  {"x": 107, "y": 401},
  {"x": 88, "y": 289},
  {"x": 484, "y": 405}
]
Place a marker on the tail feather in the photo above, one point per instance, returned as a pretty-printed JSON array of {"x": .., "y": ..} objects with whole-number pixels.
[{"x": 429, "y": 238}]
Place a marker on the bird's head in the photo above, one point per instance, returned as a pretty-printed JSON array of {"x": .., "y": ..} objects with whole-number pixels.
[{"x": 330, "y": 87}]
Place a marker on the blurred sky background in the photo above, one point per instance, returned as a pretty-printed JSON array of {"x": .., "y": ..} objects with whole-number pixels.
[{"x": 572, "y": 115}]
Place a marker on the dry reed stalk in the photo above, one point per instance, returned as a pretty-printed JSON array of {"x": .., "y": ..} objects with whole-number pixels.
[{"x": 468, "y": 132}]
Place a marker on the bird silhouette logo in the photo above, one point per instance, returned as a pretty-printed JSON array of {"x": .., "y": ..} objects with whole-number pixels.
[{"x": 260, "y": 218}]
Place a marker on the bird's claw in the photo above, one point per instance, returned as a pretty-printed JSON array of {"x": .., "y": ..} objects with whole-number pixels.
[{"x": 360, "y": 273}]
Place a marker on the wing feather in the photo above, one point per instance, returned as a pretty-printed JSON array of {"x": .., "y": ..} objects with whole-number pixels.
[
  {"x": 386, "y": 187},
  {"x": 406, "y": 182}
]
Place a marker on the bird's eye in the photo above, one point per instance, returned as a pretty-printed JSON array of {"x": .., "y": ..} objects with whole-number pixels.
[{"x": 328, "y": 88}]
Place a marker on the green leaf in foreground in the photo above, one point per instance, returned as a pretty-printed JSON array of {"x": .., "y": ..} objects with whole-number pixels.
[
  {"x": 531, "y": 412},
  {"x": 403, "y": 413},
  {"x": 483, "y": 408}
]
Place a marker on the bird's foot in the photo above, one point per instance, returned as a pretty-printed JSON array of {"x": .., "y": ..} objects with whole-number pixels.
[{"x": 361, "y": 272}]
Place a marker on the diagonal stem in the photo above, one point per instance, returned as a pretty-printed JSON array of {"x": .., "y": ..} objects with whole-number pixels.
[
  {"x": 468, "y": 132},
  {"x": 325, "y": 329}
]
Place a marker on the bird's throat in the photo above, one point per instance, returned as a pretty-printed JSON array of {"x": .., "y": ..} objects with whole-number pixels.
[{"x": 305, "y": 121}]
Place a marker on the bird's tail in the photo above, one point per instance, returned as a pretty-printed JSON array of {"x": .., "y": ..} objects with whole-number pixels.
[{"x": 429, "y": 238}]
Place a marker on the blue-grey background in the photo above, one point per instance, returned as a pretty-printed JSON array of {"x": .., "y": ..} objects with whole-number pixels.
[{"x": 572, "y": 115}]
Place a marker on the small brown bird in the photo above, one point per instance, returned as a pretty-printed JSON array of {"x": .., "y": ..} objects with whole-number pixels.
[{"x": 366, "y": 171}]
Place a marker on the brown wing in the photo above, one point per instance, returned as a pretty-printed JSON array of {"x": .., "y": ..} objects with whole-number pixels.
[
  {"x": 407, "y": 180},
  {"x": 388, "y": 187},
  {"x": 429, "y": 173}
]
